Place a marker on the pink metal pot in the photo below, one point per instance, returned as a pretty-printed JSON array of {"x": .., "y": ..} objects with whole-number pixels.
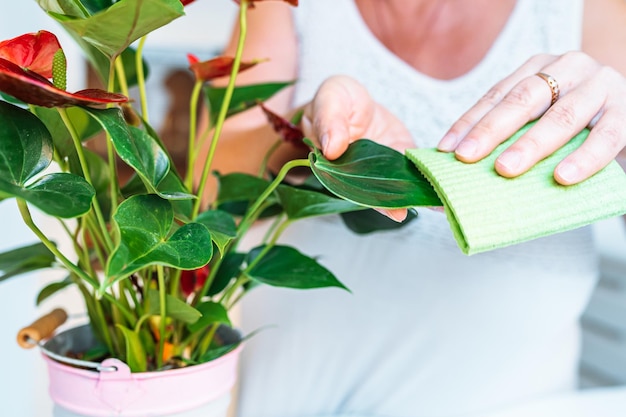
[{"x": 110, "y": 389}]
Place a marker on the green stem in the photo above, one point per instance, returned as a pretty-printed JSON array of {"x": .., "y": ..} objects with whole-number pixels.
[
  {"x": 121, "y": 75},
  {"x": 267, "y": 157},
  {"x": 141, "y": 78},
  {"x": 253, "y": 212},
  {"x": 205, "y": 343},
  {"x": 243, "y": 28},
  {"x": 163, "y": 313},
  {"x": 28, "y": 221},
  {"x": 191, "y": 151},
  {"x": 114, "y": 186},
  {"x": 85, "y": 167}
]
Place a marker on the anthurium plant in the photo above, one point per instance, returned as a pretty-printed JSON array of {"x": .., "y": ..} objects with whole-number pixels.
[{"x": 158, "y": 271}]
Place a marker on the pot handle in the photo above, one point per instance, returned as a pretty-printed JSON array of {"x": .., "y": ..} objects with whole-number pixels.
[{"x": 42, "y": 328}]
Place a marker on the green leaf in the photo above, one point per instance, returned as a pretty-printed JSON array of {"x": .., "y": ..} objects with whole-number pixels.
[
  {"x": 25, "y": 259},
  {"x": 52, "y": 288},
  {"x": 229, "y": 268},
  {"x": 175, "y": 308},
  {"x": 135, "y": 354},
  {"x": 374, "y": 175},
  {"x": 299, "y": 203},
  {"x": 211, "y": 313},
  {"x": 60, "y": 195},
  {"x": 25, "y": 145},
  {"x": 134, "y": 146},
  {"x": 369, "y": 221},
  {"x": 240, "y": 187},
  {"x": 217, "y": 352},
  {"x": 221, "y": 225},
  {"x": 284, "y": 266},
  {"x": 131, "y": 19},
  {"x": 145, "y": 223},
  {"x": 244, "y": 97}
]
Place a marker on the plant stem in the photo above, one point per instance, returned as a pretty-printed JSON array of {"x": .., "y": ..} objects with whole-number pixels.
[
  {"x": 243, "y": 29},
  {"x": 191, "y": 146},
  {"x": 205, "y": 343},
  {"x": 121, "y": 75},
  {"x": 267, "y": 156},
  {"x": 253, "y": 212},
  {"x": 85, "y": 167},
  {"x": 114, "y": 188},
  {"x": 141, "y": 79},
  {"x": 163, "y": 312}
]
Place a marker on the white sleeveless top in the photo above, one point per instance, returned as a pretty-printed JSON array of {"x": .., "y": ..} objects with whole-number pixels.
[{"x": 426, "y": 330}]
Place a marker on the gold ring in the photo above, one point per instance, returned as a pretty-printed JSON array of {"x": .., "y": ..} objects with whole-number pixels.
[{"x": 554, "y": 86}]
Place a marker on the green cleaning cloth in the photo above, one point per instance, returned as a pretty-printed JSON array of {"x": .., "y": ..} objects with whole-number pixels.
[{"x": 487, "y": 211}]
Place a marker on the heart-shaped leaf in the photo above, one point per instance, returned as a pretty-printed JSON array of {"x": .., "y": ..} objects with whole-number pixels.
[
  {"x": 25, "y": 145},
  {"x": 131, "y": 19},
  {"x": 374, "y": 175},
  {"x": 175, "y": 308},
  {"x": 25, "y": 151},
  {"x": 145, "y": 223},
  {"x": 60, "y": 195},
  {"x": 284, "y": 266},
  {"x": 244, "y": 97}
]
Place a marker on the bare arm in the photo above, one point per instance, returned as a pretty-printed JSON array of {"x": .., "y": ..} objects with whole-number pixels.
[{"x": 604, "y": 32}]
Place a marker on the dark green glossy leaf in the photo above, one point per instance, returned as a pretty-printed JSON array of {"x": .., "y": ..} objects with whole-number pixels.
[
  {"x": 229, "y": 268},
  {"x": 134, "y": 146},
  {"x": 299, "y": 203},
  {"x": 145, "y": 223},
  {"x": 284, "y": 266},
  {"x": 175, "y": 308},
  {"x": 131, "y": 19},
  {"x": 52, "y": 288},
  {"x": 211, "y": 313},
  {"x": 60, "y": 195},
  {"x": 374, "y": 175},
  {"x": 25, "y": 259},
  {"x": 221, "y": 225},
  {"x": 244, "y": 97},
  {"x": 25, "y": 145},
  {"x": 240, "y": 187},
  {"x": 135, "y": 354}
]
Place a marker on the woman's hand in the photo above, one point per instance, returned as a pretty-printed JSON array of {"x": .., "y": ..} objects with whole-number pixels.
[
  {"x": 591, "y": 95},
  {"x": 341, "y": 112}
]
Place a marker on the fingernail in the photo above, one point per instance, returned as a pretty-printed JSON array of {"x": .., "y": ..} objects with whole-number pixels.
[
  {"x": 568, "y": 172},
  {"x": 447, "y": 143},
  {"x": 467, "y": 148},
  {"x": 324, "y": 142},
  {"x": 397, "y": 215},
  {"x": 510, "y": 160}
]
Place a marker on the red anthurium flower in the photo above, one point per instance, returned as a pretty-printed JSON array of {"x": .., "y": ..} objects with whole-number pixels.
[
  {"x": 25, "y": 67},
  {"x": 288, "y": 131},
  {"x": 220, "y": 66},
  {"x": 33, "y": 88},
  {"x": 186, "y": 2},
  {"x": 32, "y": 51},
  {"x": 193, "y": 280}
]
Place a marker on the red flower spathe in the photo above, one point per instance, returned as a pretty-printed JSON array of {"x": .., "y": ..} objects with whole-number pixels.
[
  {"x": 217, "y": 67},
  {"x": 26, "y": 66}
]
